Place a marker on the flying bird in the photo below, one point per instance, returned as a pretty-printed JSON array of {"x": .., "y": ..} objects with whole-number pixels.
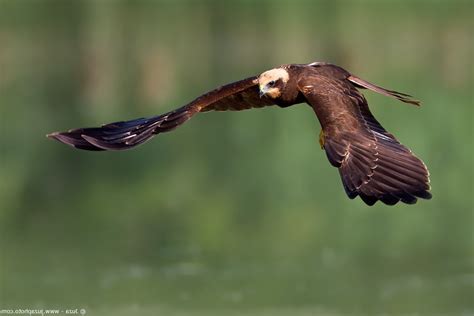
[{"x": 372, "y": 163}]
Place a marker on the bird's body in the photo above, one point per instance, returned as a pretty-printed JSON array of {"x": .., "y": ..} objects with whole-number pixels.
[{"x": 371, "y": 162}]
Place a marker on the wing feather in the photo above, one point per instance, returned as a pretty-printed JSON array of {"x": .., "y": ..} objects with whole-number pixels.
[
  {"x": 361, "y": 83},
  {"x": 372, "y": 163},
  {"x": 236, "y": 96}
]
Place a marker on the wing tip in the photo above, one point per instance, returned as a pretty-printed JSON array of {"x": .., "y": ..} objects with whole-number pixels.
[
  {"x": 410, "y": 101},
  {"x": 391, "y": 199},
  {"x": 61, "y": 137},
  {"x": 73, "y": 140},
  {"x": 361, "y": 83}
]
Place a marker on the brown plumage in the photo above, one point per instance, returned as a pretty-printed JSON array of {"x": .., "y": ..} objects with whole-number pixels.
[{"x": 371, "y": 162}]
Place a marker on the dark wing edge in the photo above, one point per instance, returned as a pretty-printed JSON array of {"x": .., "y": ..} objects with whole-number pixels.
[
  {"x": 123, "y": 135},
  {"x": 371, "y": 162},
  {"x": 239, "y": 95}
]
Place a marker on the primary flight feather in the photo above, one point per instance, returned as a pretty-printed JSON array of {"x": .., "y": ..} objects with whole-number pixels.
[{"x": 371, "y": 161}]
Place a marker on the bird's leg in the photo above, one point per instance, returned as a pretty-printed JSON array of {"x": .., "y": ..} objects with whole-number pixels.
[{"x": 321, "y": 139}]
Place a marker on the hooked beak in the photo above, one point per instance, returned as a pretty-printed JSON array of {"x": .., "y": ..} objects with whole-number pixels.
[{"x": 263, "y": 91}]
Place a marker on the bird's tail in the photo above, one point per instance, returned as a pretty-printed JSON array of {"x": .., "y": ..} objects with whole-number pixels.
[
  {"x": 361, "y": 83},
  {"x": 123, "y": 135}
]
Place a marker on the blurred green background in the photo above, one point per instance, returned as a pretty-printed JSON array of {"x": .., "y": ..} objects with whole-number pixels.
[{"x": 233, "y": 213}]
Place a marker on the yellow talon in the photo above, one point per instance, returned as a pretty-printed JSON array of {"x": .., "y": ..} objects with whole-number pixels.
[{"x": 321, "y": 139}]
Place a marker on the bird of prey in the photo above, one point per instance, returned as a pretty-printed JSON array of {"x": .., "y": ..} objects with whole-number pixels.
[{"x": 372, "y": 163}]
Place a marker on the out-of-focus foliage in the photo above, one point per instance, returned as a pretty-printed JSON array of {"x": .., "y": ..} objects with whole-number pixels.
[{"x": 233, "y": 211}]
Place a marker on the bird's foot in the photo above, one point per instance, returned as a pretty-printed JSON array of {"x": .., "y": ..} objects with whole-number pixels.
[{"x": 321, "y": 139}]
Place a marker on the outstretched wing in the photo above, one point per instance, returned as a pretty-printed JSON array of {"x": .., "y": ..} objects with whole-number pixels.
[
  {"x": 371, "y": 161},
  {"x": 235, "y": 96}
]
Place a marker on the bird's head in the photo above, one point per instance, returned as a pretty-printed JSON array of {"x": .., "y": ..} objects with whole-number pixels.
[{"x": 272, "y": 82}]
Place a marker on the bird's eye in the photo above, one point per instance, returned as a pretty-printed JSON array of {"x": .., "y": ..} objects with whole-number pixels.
[{"x": 271, "y": 83}]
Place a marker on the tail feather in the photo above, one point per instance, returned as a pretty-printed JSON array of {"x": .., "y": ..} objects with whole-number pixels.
[
  {"x": 123, "y": 135},
  {"x": 386, "y": 92}
]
